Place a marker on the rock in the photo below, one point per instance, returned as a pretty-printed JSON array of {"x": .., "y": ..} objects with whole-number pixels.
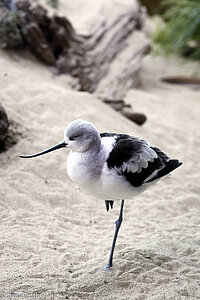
[{"x": 4, "y": 124}]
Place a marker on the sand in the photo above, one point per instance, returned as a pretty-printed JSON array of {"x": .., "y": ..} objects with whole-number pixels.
[{"x": 53, "y": 237}]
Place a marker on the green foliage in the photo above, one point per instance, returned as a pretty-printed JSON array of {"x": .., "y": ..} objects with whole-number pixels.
[
  {"x": 10, "y": 36},
  {"x": 181, "y": 32},
  {"x": 53, "y": 3}
]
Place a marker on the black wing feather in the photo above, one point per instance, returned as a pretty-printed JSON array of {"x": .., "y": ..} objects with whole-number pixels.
[
  {"x": 137, "y": 179},
  {"x": 170, "y": 165},
  {"x": 126, "y": 147}
]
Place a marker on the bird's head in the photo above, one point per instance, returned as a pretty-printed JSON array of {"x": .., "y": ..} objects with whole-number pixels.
[{"x": 79, "y": 136}]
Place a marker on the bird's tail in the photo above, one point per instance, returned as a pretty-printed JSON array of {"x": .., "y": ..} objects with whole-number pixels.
[{"x": 170, "y": 166}]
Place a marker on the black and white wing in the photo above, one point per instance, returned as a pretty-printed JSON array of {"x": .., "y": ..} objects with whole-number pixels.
[{"x": 137, "y": 160}]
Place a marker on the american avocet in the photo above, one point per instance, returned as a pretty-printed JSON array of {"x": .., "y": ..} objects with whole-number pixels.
[{"x": 111, "y": 166}]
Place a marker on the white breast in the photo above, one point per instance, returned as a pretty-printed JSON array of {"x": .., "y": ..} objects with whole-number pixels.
[{"x": 77, "y": 168}]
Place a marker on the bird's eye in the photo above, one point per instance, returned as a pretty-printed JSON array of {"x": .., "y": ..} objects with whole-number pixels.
[{"x": 73, "y": 137}]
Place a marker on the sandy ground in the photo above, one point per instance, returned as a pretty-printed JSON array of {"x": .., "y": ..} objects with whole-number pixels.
[{"x": 53, "y": 237}]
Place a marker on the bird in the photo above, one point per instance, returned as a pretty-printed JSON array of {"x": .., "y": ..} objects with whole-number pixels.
[{"x": 111, "y": 166}]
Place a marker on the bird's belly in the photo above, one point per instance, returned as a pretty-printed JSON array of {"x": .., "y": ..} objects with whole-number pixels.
[
  {"x": 115, "y": 187},
  {"x": 108, "y": 185}
]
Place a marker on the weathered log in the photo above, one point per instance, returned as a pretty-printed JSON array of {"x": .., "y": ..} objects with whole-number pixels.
[
  {"x": 54, "y": 41},
  {"x": 138, "y": 118},
  {"x": 126, "y": 110},
  {"x": 35, "y": 29},
  {"x": 106, "y": 44},
  {"x": 98, "y": 60},
  {"x": 181, "y": 80},
  {"x": 38, "y": 44},
  {"x": 116, "y": 104},
  {"x": 128, "y": 76},
  {"x": 4, "y": 124}
]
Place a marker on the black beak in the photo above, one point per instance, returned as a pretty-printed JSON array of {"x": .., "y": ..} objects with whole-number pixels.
[{"x": 58, "y": 146}]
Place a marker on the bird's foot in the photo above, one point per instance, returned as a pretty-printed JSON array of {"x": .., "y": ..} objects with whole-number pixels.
[
  {"x": 109, "y": 204},
  {"x": 106, "y": 268}
]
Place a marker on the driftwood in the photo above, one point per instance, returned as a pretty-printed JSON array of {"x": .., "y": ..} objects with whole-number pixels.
[
  {"x": 92, "y": 59},
  {"x": 4, "y": 124},
  {"x": 181, "y": 80},
  {"x": 105, "y": 46},
  {"x": 126, "y": 110},
  {"x": 129, "y": 74}
]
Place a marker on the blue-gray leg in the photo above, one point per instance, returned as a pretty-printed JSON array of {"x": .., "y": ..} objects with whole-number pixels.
[{"x": 117, "y": 226}]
